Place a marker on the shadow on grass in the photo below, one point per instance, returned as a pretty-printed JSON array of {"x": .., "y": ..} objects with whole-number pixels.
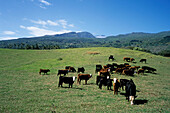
[
  {"x": 139, "y": 102},
  {"x": 72, "y": 88}
]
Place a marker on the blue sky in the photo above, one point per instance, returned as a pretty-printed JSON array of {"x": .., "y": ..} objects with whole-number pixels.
[{"x": 28, "y": 18}]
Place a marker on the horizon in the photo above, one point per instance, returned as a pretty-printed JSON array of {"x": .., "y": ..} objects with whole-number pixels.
[{"x": 33, "y": 18}]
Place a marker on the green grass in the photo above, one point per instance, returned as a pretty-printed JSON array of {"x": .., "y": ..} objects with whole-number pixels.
[{"x": 22, "y": 89}]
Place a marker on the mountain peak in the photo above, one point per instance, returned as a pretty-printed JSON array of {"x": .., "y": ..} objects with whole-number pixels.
[{"x": 76, "y": 35}]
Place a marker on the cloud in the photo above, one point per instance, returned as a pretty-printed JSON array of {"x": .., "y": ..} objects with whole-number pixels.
[
  {"x": 8, "y": 38},
  {"x": 35, "y": 31},
  {"x": 45, "y": 2},
  {"x": 9, "y": 33},
  {"x": 61, "y": 23}
]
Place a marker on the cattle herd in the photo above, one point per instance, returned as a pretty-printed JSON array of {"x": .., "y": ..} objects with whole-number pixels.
[{"x": 104, "y": 76}]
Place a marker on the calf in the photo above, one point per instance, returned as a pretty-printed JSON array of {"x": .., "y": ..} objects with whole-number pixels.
[
  {"x": 81, "y": 70},
  {"x": 116, "y": 85},
  {"x": 85, "y": 77},
  {"x": 66, "y": 80},
  {"x": 130, "y": 91},
  {"x": 123, "y": 83},
  {"x": 106, "y": 81},
  {"x": 44, "y": 71},
  {"x": 64, "y": 72}
]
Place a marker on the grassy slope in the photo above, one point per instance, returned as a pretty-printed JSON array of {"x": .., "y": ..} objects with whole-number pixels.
[{"x": 22, "y": 89}]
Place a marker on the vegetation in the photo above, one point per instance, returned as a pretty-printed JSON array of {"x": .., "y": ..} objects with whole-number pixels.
[
  {"x": 157, "y": 43},
  {"x": 22, "y": 89}
]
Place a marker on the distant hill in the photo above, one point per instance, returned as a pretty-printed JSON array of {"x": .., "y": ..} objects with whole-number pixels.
[{"x": 150, "y": 42}]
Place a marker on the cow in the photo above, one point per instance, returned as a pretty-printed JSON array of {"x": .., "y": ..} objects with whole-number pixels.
[
  {"x": 106, "y": 81},
  {"x": 141, "y": 71},
  {"x": 111, "y": 57},
  {"x": 98, "y": 68},
  {"x": 64, "y": 72},
  {"x": 150, "y": 69},
  {"x": 119, "y": 70},
  {"x": 132, "y": 59},
  {"x": 85, "y": 77},
  {"x": 130, "y": 91},
  {"x": 116, "y": 85},
  {"x": 81, "y": 70},
  {"x": 143, "y": 60},
  {"x": 66, "y": 80},
  {"x": 44, "y": 71},
  {"x": 127, "y": 59},
  {"x": 123, "y": 83},
  {"x": 72, "y": 69},
  {"x": 129, "y": 72}
]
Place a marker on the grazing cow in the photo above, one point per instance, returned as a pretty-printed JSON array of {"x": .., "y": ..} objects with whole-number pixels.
[
  {"x": 150, "y": 69},
  {"x": 123, "y": 83},
  {"x": 72, "y": 69},
  {"x": 116, "y": 85},
  {"x": 132, "y": 59},
  {"x": 127, "y": 59},
  {"x": 64, "y": 72},
  {"x": 85, "y": 77},
  {"x": 129, "y": 72},
  {"x": 130, "y": 91},
  {"x": 106, "y": 81},
  {"x": 98, "y": 68},
  {"x": 44, "y": 71},
  {"x": 111, "y": 57},
  {"x": 119, "y": 70},
  {"x": 81, "y": 70},
  {"x": 66, "y": 80},
  {"x": 141, "y": 71},
  {"x": 143, "y": 60}
]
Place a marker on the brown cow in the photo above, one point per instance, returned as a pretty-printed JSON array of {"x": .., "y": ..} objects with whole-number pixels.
[
  {"x": 116, "y": 85},
  {"x": 141, "y": 71},
  {"x": 85, "y": 77},
  {"x": 44, "y": 71}
]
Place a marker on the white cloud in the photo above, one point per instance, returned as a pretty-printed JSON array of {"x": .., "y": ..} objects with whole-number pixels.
[
  {"x": 8, "y": 38},
  {"x": 45, "y": 2},
  {"x": 61, "y": 23},
  {"x": 35, "y": 31},
  {"x": 8, "y": 32}
]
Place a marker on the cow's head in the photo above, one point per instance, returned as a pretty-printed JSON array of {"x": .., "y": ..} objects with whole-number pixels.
[
  {"x": 48, "y": 70},
  {"x": 74, "y": 78},
  {"x": 90, "y": 75}
]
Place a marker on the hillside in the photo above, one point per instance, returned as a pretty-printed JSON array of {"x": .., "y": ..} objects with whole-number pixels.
[
  {"x": 149, "y": 42},
  {"x": 22, "y": 89}
]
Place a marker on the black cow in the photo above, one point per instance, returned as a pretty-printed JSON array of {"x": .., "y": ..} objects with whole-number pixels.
[
  {"x": 66, "y": 80},
  {"x": 123, "y": 83},
  {"x": 81, "y": 70},
  {"x": 149, "y": 69},
  {"x": 106, "y": 81},
  {"x": 130, "y": 91},
  {"x": 44, "y": 71},
  {"x": 143, "y": 60},
  {"x": 98, "y": 68},
  {"x": 111, "y": 57},
  {"x": 64, "y": 72}
]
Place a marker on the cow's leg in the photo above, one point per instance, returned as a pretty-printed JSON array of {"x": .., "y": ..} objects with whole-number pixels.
[{"x": 85, "y": 81}]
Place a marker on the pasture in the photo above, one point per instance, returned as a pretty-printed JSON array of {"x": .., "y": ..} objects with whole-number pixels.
[{"x": 22, "y": 89}]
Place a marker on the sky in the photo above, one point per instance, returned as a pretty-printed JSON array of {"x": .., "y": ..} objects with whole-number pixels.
[{"x": 32, "y": 18}]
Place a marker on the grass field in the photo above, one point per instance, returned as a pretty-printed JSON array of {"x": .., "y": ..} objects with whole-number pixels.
[{"x": 22, "y": 89}]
